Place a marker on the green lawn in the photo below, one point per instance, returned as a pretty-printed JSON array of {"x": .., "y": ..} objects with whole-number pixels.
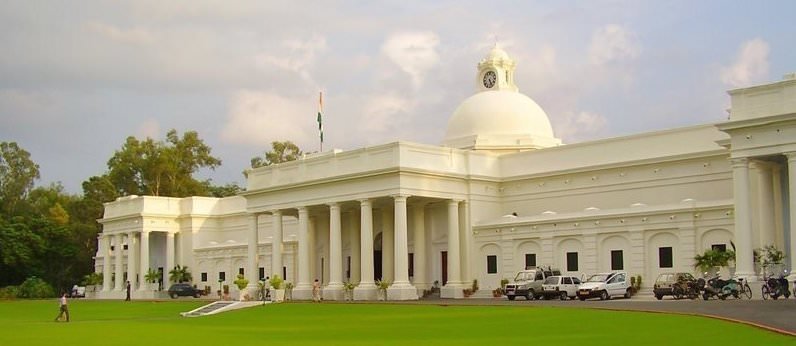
[{"x": 158, "y": 323}]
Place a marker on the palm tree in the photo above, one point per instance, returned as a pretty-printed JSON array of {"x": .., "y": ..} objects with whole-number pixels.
[{"x": 180, "y": 274}]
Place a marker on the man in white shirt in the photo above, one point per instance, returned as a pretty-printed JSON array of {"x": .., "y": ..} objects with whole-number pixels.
[{"x": 64, "y": 309}]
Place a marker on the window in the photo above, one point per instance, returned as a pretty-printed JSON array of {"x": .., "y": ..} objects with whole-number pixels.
[
  {"x": 240, "y": 271},
  {"x": 222, "y": 276},
  {"x": 567, "y": 281},
  {"x": 719, "y": 247},
  {"x": 411, "y": 265},
  {"x": 617, "y": 262},
  {"x": 125, "y": 246},
  {"x": 284, "y": 273},
  {"x": 204, "y": 277},
  {"x": 665, "y": 257},
  {"x": 262, "y": 273},
  {"x": 491, "y": 264},
  {"x": 348, "y": 267},
  {"x": 530, "y": 260},
  {"x": 572, "y": 261}
]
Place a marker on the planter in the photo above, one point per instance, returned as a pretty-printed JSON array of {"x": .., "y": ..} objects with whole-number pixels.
[
  {"x": 277, "y": 295},
  {"x": 243, "y": 295},
  {"x": 348, "y": 295},
  {"x": 381, "y": 294},
  {"x": 151, "y": 286},
  {"x": 289, "y": 294}
]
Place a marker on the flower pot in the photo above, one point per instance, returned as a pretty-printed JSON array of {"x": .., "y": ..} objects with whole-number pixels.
[{"x": 277, "y": 295}]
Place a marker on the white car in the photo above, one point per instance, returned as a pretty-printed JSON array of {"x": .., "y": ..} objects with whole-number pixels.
[
  {"x": 561, "y": 287},
  {"x": 605, "y": 286}
]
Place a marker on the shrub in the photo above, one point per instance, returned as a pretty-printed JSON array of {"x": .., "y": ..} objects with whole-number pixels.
[
  {"x": 276, "y": 282},
  {"x": 241, "y": 282},
  {"x": 8, "y": 292},
  {"x": 34, "y": 287}
]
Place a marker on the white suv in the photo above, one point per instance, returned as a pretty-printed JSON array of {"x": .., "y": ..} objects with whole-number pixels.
[
  {"x": 605, "y": 286},
  {"x": 561, "y": 287}
]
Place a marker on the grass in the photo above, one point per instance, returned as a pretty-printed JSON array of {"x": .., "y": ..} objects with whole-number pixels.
[{"x": 158, "y": 323}]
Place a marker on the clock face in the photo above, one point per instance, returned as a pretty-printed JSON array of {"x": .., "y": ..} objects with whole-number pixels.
[{"x": 489, "y": 79}]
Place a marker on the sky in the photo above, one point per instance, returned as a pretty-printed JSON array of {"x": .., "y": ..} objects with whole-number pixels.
[{"x": 78, "y": 77}]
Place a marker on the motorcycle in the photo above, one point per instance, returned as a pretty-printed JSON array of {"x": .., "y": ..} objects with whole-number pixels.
[
  {"x": 775, "y": 287},
  {"x": 722, "y": 289}
]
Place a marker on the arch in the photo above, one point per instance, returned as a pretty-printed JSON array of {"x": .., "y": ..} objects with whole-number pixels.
[
  {"x": 712, "y": 237},
  {"x": 655, "y": 241},
  {"x": 527, "y": 247},
  {"x": 609, "y": 243},
  {"x": 564, "y": 246},
  {"x": 490, "y": 281}
]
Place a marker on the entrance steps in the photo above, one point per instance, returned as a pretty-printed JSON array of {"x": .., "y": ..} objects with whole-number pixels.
[{"x": 221, "y": 306}]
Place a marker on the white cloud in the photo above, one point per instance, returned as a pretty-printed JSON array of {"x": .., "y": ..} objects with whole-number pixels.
[
  {"x": 613, "y": 43},
  {"x": 149, "y": 128},
  {"x": 257, "y": 118},
  {"x": 414, "y": 52},
  {"x": 297, "y": 56},
  {"x": 575, "y": 127},
  {"x": 751, "y": 64},
  {"x": 134, "y": 35},
  {"x": 385, "y": 114}
]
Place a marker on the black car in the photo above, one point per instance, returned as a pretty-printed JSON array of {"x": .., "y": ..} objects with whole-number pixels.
[{"x": 177, "y": 290}]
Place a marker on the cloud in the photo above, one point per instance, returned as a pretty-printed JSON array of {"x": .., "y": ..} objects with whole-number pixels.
[
  {"x": 134, "y": 35},
  {"x": 298, "y": 56},
  {"x": 384, "y": 115},
  {"x": 414, "y": 52},
  {"x": 149, "y": 128},
  {"x": 257, "y": 118},
  {"x": 575, "y": 127},
  {"x": 613, "y": 43},
  {"x": 751, "y": 65}
]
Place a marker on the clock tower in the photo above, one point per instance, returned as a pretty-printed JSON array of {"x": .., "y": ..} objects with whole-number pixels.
[{"x": 496, "y": 72}]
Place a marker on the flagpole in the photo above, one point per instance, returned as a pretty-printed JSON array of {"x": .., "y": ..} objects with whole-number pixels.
[{"x": 320, "y": 118}]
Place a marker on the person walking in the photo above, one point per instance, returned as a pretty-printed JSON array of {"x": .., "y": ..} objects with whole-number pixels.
[
  {"x": 316, "y": 291},
  {"x": 64, "y": 310},
  {"x": 128, "y": 291},
  {"x": 267, "y": 288}
]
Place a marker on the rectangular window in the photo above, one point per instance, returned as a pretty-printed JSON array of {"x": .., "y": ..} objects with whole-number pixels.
[
  {"x": 204, "y": 277},
  {"x": 125, "y": 246},
  {"x": 491, "y": 264},
  {"x": 411, "y": 265},
  {"x": 530, "y": 260},
  {"x": 262, "y": 273},
  {"x": 572, "y": 261},
  {"x": 348, "y": 267},
  {"x": 719, "y": 247},
  {"x": 665, "y": 257},
  {"x": 617, "y": 260},
  {"x": 284, "y": 273},
  {"x": 222, "y": 276}
]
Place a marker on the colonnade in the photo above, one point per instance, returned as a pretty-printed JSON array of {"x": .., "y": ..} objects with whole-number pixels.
[
  {"x": 765, "y": 211},
  {"x": 137, "y": 259}
]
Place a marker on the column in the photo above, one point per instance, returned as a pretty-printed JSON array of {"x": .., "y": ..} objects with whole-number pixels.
[
  {"x": 144, "y": 265},
  {"x": 106, "y": 262},
  {"x": 276, "y": 244},
  {"x": 387, "y": 245},
  {"x": 366, "y": 290},
  {"x": 401, "y": 289},
  {"x": 334, "y": 290},
  {"x": 252, "y": 269},
  {"x": 418, "y": 226},
  {"x": 169, "y": 260},
  {"x": 131, "y": 260},
  {"x": 792, "y": 211},
  {"x": 303, "y": 289},
  {"x": 765, "y": 196},
  {"x": 356, "y": 246},
  {"x": 464, "y": 240},
  {"x": 118, "y": 251},
  {"x": 744, "y": 261},
  {"x": 453, "y": 288}
]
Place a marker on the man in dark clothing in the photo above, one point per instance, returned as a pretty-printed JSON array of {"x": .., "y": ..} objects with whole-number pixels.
[{"x": 128, "y": 292}]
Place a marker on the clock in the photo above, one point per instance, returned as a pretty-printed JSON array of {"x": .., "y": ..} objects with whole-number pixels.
[{"x": 489, "y": 79}]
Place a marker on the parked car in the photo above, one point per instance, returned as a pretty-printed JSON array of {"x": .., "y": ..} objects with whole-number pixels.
[
  {"x": 528, "y": 283},
  {"x": 78, "y": 291},
  {"x": 561, "y": 287},
  {"x": 665, "y": 282},
  {"x": 605, "y": 286},
  {"x": 184, "y": 289}
]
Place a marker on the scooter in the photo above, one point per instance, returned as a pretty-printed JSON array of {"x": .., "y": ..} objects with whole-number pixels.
[
  {"x": 775, "y": 287},
  {"x": 721, "y": 289}
]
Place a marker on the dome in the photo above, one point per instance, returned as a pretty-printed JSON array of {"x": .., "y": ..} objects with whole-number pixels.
[
  {"x": 497, "y": 54},
  {"x": 499, "y": 119}
]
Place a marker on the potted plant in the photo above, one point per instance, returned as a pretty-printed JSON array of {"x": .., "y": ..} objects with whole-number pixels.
[
  {"x": 242, "y": 282},
  {"x": 180, "y": 274},
  {"x": 277, "y": 291},
  {"x": 226, "y": 292},
  {"x": 151, "y": 279},
  {"x": 288, "y": 291},
  {"x": 382, "y": 286},
  {"x": 711, "y": 261},
  {"x": 769, "y": 256},
  {"x": 348, "y": 288}
]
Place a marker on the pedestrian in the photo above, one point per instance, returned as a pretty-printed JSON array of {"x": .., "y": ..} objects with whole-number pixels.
[
  {"x": 64, "y": 310},
  {"x": 267, "y": 288},
  {"x": 316, "y": 291},
  {"x": 128, "y": 291}
]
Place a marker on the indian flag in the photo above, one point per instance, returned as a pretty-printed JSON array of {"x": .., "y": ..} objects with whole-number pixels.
[{"x": 320, "y": 117}]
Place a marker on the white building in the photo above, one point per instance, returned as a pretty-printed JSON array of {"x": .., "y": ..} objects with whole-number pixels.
[{"x": 500, "y": 194}]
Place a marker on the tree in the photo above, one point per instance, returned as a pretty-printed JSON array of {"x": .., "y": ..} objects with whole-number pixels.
[
  {"x": 162, "y": 168},
  {"x": 17, "y": 174},
  {"x": 280, "y": 152},
  {"x": 180, "y": 274}
]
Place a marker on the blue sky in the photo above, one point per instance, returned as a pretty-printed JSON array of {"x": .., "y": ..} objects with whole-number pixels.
[{"x": 78, "y": 77}]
